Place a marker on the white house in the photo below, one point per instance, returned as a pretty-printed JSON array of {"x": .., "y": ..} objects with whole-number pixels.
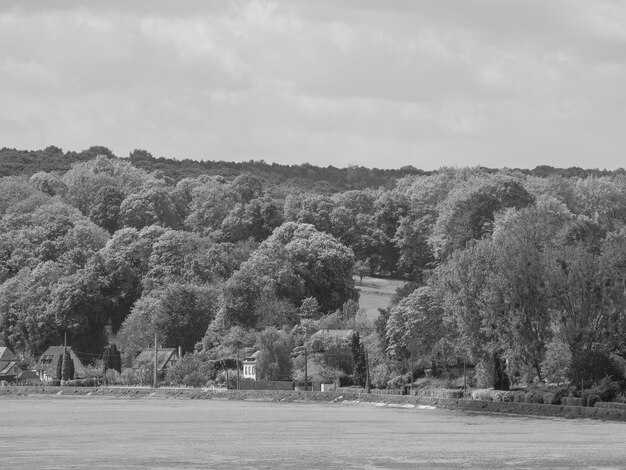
[{"x": 249, "y": 366}]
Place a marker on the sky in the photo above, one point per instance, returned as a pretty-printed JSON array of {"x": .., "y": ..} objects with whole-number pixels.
[{"x": 384, "y": 84}]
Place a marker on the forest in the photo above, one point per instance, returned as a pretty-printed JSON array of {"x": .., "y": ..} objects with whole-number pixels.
[{"x": 520, "y": 272}]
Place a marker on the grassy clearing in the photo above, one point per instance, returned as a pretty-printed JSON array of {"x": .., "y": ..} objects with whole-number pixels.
[{"x": 376, "y": 293}]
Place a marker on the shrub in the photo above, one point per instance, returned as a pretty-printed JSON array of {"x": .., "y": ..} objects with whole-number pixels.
[
  {"x": 571, "y": 401},
  {"x": 557, "y": 359},
  {"x": 592, "y": 399},
  {"x": 129, "y": 377},
  {"x": 438, "y": 393},
  {"x": 610, "y": 405},
  {"x": 193, "y": 370},
  {"x": 398, "y": 381},
  {"x": 112, "y": 359},
  {"x": 484, "y": 374},
  {"x": 606, "y": 389},
  {"x": 112, "y": 377},
  {"x": 379, "y": 376},
  {"x": 482, "y": 394},
  {"x": 589, "y": 367},
  {"x": 533, "y": 397}
]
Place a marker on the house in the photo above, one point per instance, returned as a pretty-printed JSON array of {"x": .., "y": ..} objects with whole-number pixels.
[
  {"x": 342, "y": 335},
  {"x": 249, "y": 366},
  {"x": 28, "y": 377},
  {"x": 50, "y": 361},
  {"x": 8, "y": 365},
  {"x": 166, "y": 358}
]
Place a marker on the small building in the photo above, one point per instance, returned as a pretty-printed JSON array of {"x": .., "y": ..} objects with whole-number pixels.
[
  {"x": 341, "y": 335},
  {"x": 28, "y": 377},
  {"x": 249, "y": 366},
  {"x": 48, "y": 365},
  {"x": 8, "y": 365},
  {"x": 166, "y": 358}
]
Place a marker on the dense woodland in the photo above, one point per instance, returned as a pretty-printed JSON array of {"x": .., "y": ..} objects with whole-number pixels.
[{"x": 519, "y": 272}]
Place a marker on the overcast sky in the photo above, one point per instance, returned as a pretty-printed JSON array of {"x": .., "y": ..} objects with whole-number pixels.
[{"x": 330, "y": 82}]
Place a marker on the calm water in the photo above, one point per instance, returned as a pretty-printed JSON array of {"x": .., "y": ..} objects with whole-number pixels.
[{"x": 90, "y": 432}]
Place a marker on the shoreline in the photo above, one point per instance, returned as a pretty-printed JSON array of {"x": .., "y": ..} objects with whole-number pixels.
[{"x": 276, "y": 396}]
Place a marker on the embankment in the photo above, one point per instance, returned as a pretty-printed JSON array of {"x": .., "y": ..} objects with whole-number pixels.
[{"x": 527, "y": 409}]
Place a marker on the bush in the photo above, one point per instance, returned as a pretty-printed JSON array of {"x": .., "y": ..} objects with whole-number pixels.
[
  {"x": 482, "y": 394},
  {"x": 438, "y": 393},
  {"x": 398, "y": 381},
  {"x": 192, "y": 370},
  {"x": 610, "y": 405},
  {"x": 591, "y": 400},
  {"x": 533, "y": 397},
  {"x": 590, "y": 367},
  {"x": 606, "y": 389},
  {"x": 484, "y": 374},
  {"x": 571, "y": 401},
  {"x": 112, "y": 377},
  {"x": 557, "y": 359},
  {"x": 129, "y": 377}
]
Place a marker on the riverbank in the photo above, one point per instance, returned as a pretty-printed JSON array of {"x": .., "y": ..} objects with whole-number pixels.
[{"x": 526, "y": 409}]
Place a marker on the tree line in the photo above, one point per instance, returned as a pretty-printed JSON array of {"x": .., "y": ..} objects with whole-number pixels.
[{"x": 518, "y": 273}]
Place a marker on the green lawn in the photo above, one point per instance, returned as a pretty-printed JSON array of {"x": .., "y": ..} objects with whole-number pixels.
[{"x": 376, "y": 293}]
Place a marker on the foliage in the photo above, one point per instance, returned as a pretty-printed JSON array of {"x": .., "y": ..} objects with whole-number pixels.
[
  {"x": 526, "y": 266},
  {"x": 416, "y": 327},
  {"x": 112, "y": 360},
  {"x": 192, "y": 370},
  {"x": 274, "y": 359},
  {"x": 589, "y": 367},
  {"x": 359, "y": 375},
  {"x": 67, "y": 366}
]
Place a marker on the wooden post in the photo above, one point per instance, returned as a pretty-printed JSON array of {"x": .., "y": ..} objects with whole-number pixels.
[
  {"x": 63, "y": 358},
  {"x": 464, "y": 380},
  {"x": 154, "y": 382},
  {"x": 306, "y": 371},
  {"x": 237, "y": 368},
  {"x": 368, "y": 384}
]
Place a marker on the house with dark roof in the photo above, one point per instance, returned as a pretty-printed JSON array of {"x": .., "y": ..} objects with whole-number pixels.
[
  {"x": 28, "y": 377},
  {"x": 8, "y": 365},
  {"x": 49, "y": 364},
  {"x": 166, "y": 357}
]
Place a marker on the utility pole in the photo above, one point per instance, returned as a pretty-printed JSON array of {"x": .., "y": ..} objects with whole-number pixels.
[
  {"x": 63, "y": 365},
  {"x": 237, "y": 368},
  {"x": 464, "y": 380},
  {"x": 368, "y": 385},
  {"x": 306, "y": 372},
  {"x": 154, "y": 382}
]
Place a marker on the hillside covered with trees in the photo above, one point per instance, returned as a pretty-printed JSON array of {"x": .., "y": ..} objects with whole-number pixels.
[{"x": 519, "y": 272}]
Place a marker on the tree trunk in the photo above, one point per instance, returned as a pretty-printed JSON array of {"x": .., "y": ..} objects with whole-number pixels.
[{"x": 501, "y": 380}]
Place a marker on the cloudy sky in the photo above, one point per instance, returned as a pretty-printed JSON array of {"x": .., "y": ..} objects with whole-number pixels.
[{"x": 329, "y": 82}]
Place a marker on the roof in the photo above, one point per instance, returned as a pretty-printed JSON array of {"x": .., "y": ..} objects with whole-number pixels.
[
  {"x": 252, "y": 358},
  {"x": 146, "y": 357},
  {"x": 9, "y": 368},
  {"x": 49, "y": 360},
  {"x": 6, "y": 354},
  {"x": 29, "y": 377},
  {"x": 340, "y": 334},
  {"x": 27, "y": 374}
]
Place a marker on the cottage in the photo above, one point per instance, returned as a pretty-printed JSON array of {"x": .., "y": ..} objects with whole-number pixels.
[
  {"x": 166, "y": 358},
  {"x": 8, "y": 365},
  {"x": 28, "y": 377},
  {"x": 49, "y": 364},
  {"x": 341, "y": 335},
  {"x": 249, "y": 366}
]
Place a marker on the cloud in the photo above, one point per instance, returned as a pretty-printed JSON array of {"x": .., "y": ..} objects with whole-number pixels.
[{"x": 431, "y": 83}]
